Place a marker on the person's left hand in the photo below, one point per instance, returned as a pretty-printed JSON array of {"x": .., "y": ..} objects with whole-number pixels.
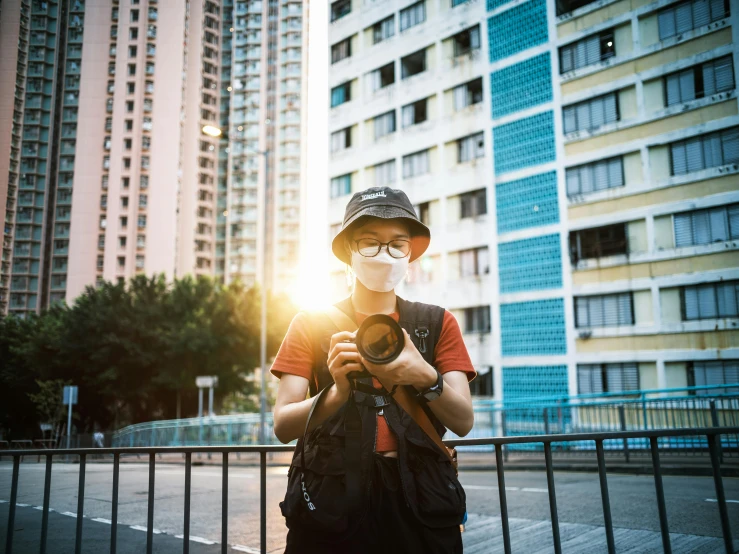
[{"x": 407, "y": 369}]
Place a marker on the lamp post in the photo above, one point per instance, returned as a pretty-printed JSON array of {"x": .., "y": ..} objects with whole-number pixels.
[{"x": 215, "y": 132}]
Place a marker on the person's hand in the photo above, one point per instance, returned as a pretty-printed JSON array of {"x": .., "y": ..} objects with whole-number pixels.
[
  {"x": 343, "y": 358},
  {"x": 407, "y": 369}
]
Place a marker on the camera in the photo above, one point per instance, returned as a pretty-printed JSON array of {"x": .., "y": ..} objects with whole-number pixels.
[{"x": 379, "y": 340}]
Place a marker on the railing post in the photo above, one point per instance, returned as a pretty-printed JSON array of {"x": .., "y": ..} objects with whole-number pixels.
[
  {"x": 622, "y": 420},
  {"x": 664, "y": 528},
  {"x": 80, "y": 505},
  {"x": 644, "y": 410},
  {"x": 45, "y": 513},
  {"x": 720, "y": 496},
  {"x": 605, "y": 500},
  {"x": 714, "y": 423},
  {"x": 263, "y": 502},
  {"x": 11, "y": 507}
]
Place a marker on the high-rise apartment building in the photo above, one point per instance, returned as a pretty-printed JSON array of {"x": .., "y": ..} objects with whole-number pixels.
[
  {"x": 262, "y": 112},
  {"x": 578, "y": 164},
  {"x": 102, "y": 106}
]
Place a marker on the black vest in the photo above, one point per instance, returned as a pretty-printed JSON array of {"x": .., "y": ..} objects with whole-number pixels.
[{"x": 320, "y": 488}]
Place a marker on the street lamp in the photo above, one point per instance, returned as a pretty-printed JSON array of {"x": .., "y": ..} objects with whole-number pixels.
[{"x": 216, "y": 132}]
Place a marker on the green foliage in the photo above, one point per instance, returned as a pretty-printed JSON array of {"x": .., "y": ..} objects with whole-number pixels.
[{"x": 133, "y": 349}]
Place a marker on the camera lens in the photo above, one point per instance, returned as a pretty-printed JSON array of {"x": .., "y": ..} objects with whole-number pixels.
[{"x": 380, "y": 339}]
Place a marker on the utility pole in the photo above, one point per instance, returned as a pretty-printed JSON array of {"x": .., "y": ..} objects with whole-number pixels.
[{"x": 263, "y": 337}]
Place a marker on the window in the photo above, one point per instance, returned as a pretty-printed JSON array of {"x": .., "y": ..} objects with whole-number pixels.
[
  {"x": 129, "y": 125},
  {"x": 144, "y": 182},
  {"x": 124, "y": 222},
  {"x": 341, "y": 186},
  {"x": 143, "y": 199},
  {"x": 473, "y": 262},
  {"x": 599, "y": 378},
  {"x": 384, "y": 124},
  {"x": 383, "y": 30},
  {"x": 424, "y": 213},
  {"x": 127, "y": 144},
  {"x": 134, "y": 16},
  {"x": 385, "y": 173},
  {"x": 686, "y": 16},
  {"x": 470, "y": 148},
  {"x": 699, "y": 81},
  {"x": 133, "y": 33},
  {"x": 608, "y": 310},
  {"x": 142, "y": 221},
  {"x": 132, "y": 51},
  {"x": 599, "y": 242},
  {"x": 126, "y": 163},
  {"x": 591, "y": 114},
  {"x": 341, "y": 94},
  {"x": 415, "y": 164},
  {"x": 466, "y": 41},
  {"x": 131, "y": 69},
  {"x": 140, "y": 241},
  {"x": 473, "y": 204},
  {"x": 129, "y": 106},
  {"x": 341, "y": 50},
  {"x": 413, "y": 15},
  {"x": 715, "y": 372},
  {"x": 415, "y": 113},
  {"x": 382, "y": 77},
  {"x": 587, "y": 51},
  {"x": 340, "y": 8},
  {"x": 566, "y": 6},
  {"x": 482, "y": 385},
  {"x": 413, "y": 64},
  {"x": 595, "y": 176},
  {"x": 121, "y": 242},
  {"x": 341, "y": 140},
  {"x": 130, "y": 88},
  {"x": 710, "y": 301},
  {"x": 477, "y": 319},
  {"x": 467, "y": 94},
  {"x": 705, "y": 151},
  {"x": 707, "y": 226},
  {"x": 125, "y": 182}
]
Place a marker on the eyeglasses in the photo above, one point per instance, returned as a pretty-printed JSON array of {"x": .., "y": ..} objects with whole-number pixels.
[{"x": 369, "y": 248}]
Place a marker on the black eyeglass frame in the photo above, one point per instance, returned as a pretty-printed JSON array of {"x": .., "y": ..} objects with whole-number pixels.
[{"x": 379, "y": 248}]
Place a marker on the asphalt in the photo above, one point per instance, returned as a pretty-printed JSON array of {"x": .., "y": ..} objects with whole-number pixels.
[{"x": 691, "y": 505}]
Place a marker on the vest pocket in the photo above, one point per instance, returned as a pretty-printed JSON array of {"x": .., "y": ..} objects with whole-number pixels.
[
  {"x": 440, "y": 498},
  {"x": 316, "y": 491}
]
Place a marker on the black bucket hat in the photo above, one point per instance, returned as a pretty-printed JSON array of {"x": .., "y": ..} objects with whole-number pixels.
[{"x": 383, "y": 203}]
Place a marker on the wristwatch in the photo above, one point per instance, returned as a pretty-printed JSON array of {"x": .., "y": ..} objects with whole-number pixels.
[{"x": 434, "y": 391}]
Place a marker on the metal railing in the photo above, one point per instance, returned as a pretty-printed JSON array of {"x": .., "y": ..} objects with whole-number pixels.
[
  {"x": 712, "y": 440},
  {"x": 674, "y": 408}
]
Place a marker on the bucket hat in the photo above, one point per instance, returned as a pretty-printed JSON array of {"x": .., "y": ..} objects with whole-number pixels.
[{"x": 382, "y": 203}]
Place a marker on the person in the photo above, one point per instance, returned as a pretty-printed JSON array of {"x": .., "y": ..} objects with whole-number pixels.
[{"x": 414, "y": 502}]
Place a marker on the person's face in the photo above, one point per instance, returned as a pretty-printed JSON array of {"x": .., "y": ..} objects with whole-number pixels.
[{"x": 390, "y": 231}]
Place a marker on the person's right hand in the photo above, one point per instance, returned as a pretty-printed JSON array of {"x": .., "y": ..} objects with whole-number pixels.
[{"x": 343, "y": 358}]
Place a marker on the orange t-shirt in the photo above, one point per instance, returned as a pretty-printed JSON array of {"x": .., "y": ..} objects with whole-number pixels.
[{"x": 295, "y": 357}]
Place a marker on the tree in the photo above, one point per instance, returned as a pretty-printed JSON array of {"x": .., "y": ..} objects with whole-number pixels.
[{"x": 134, "y": 350}]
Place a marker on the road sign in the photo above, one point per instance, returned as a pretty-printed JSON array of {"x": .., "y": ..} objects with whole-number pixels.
[
  {"x": 70, "y": 392},
  {"x": 206, "y": 382}
]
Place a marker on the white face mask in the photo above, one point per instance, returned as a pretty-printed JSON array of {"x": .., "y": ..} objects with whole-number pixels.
[{"x": 381, "y": 273}]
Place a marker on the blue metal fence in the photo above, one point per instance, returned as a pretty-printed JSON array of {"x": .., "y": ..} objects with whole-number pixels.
[{"x": 679, "y": 408}]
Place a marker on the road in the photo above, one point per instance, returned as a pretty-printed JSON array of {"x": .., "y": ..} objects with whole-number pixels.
[{"x": 691, "y": 506}]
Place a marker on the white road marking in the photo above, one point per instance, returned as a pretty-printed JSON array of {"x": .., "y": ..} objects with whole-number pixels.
[
  {"x": 201, "y": 540},
  {"x": 242, "y": 548},
  {"x": 509, "y": 489},
  {"x": 144, "y": 528},
  {"x": 3, "y": 501},
  {"x": 728, "y": 501},
  {"x": 70, "y": 514},
  {"x": 22, "y": 505},
  {"x": 102, "y": 520}
]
